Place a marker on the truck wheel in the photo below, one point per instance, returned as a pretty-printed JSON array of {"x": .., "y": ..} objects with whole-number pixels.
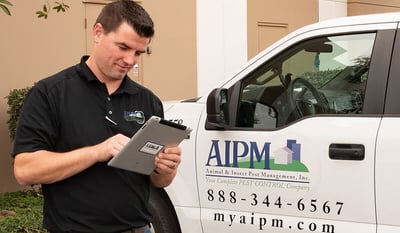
[{"x": 164, "y": 216}]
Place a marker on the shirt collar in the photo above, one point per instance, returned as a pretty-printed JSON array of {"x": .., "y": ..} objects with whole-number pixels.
[{"x": 127, "y": 85}]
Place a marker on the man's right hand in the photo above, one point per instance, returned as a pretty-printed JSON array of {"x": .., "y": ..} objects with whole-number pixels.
[{"x": 110, "y": 147}]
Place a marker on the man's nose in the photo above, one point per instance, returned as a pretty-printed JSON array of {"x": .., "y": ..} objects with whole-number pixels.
[{"x": 131, "y": 59}]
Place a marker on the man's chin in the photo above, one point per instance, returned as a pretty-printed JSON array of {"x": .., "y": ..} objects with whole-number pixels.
[
  {"x": 119, "y": 76},
  {"x": 122, "y": 73}
]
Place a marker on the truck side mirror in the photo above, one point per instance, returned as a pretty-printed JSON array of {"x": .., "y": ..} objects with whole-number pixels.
[{"x": 217, "y": 109}]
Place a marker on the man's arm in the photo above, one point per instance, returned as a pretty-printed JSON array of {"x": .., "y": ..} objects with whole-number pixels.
[{"x": 45, "y": 167}]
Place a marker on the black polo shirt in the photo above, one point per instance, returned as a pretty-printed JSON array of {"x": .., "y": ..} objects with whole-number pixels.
[{"x": 70, "y": 110}]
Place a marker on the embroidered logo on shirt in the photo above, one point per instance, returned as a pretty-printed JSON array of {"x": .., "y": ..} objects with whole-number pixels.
[{"x": 137, "y": 116}]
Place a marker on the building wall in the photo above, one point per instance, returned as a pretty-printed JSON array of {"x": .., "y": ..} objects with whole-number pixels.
[
  {"x": 328, "y": 9},
  {"x": 221, "y": 41},
  {"x": 270, "y": 20},
  {"x": 360, "y": 7},
  {"x": 170, "y": 70}
]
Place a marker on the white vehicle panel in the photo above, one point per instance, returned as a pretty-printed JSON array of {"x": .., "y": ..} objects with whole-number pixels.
[
  {"x": 388, "y": 229},
  {"x": 233, "y": 221},
  {"x": 224, "y": 185},
  {"x": 183, "y": 190},
  {"x": 189, "y": 219},
  {"x": 387, "y": 173}
]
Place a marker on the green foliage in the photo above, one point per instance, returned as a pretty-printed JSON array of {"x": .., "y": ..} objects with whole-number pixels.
[
  {"x": 44, "y": 13},
  {"x": 318, "y": 78},
  {"x": 359, "y": 69},
  {"x": 59, "y": 6},
  {"x": 15, "y": 100},
  {"x": 3, "y": 6},
  {"x": 27, "y": 207}
]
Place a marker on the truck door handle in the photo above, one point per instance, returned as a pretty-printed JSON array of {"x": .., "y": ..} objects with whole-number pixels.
[{"x": 340, "y": 151}]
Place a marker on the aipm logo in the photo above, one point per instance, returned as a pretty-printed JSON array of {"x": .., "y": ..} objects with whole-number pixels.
[{"x": 248, "y": 155}]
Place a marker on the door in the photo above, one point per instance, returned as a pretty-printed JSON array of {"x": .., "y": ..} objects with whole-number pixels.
[
  {"x": 387, "y": 159},
  {"x": 298, "y": 151}
]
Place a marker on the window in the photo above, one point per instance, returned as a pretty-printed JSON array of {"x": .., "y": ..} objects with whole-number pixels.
[{"x": 321, "y": 76}]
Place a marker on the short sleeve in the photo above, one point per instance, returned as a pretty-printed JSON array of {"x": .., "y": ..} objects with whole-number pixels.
[{"x": 36, "y": 127}]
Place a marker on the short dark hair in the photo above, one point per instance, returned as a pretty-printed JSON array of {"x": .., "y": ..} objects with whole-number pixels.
[{"x": 117, "y": 12}]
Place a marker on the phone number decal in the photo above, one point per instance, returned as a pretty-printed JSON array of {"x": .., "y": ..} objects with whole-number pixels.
[{"x": 313, "y": 205}]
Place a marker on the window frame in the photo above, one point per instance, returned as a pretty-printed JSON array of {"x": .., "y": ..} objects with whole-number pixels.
[{"x": 376, "y": 84}]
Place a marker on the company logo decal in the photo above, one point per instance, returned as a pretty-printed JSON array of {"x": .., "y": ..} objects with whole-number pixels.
[
  {"x": 251, "y": 163},
  {"x": 137, "y": 116},
  {"x": 240, "y": 154},
  {"x": 245, "y": 182}
]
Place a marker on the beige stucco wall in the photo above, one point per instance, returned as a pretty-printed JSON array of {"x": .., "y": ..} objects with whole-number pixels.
[
  {"x": 170, "y": 71},
  {"x": 268, "y": 21},
  {"x": 360, "y": 7},
  {"x": 30, "y": 49}
]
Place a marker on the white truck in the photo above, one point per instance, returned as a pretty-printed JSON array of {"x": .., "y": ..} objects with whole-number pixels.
[{"x": 302, "y": 139}]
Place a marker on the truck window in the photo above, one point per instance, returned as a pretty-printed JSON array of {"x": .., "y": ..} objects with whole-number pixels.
[{"x": 325, "y": 75}]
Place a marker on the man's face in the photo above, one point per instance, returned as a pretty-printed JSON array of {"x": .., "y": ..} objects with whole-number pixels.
[{"x": 117, "y": 52}]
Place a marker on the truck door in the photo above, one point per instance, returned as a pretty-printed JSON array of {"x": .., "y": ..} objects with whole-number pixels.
[
  {"x": 291, "y": 144},
  {"x": 387, "y": 158}
]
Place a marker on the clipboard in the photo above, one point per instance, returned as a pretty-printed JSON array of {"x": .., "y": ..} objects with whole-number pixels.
[{"x": 155, "y": 135}]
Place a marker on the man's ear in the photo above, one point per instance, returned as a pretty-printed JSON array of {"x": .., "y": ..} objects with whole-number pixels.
[{"x": 98, "y": 31}]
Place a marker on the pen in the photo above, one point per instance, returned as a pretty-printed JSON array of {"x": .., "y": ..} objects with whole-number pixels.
[{"x": 109, "y": 119}]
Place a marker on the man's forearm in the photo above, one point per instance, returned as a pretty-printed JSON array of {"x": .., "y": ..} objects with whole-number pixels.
[{"x": 44, "y": 167}]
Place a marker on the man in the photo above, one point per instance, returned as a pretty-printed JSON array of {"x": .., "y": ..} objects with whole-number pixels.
[{"x": 75, "y": 121}]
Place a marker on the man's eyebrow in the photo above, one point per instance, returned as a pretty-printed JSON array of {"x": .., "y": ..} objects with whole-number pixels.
[
  {"x": 123, "y": 44},
  {"x": 127, "y": 46}
]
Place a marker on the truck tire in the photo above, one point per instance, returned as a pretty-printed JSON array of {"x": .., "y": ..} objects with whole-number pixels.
[{"x": 164, "y": 216}]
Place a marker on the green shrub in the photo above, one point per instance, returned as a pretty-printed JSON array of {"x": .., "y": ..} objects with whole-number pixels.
[
  {"x": 26, "y": 212},
  {"x": 15, "y": 100}
]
